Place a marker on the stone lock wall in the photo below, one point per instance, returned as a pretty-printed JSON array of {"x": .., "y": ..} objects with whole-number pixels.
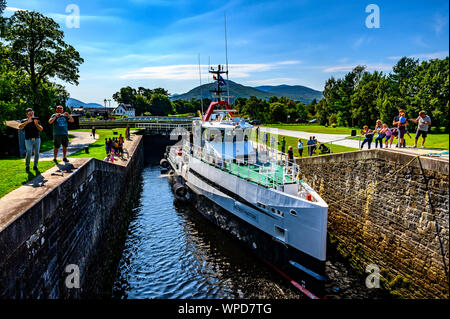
[
  {"x": 78, "y": 223},
  {"x": 391, "y": 223}
]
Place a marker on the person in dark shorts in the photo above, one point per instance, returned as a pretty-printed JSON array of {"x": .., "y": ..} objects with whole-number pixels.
[
  {"x": 368, "y": 137},
  {"x": 120, "y": 148},
  {"x": 300, "y": 147},
  {"x": 93, "y": 132},
  {"x": 60, "y": 120},
  {"x": 423, "y": 125},
  {"x": 290, "y": 156},
  {"x": 310, "y": 145},
  {"x": 401, "y": 122},
  {"x": 32, "y": 127}
]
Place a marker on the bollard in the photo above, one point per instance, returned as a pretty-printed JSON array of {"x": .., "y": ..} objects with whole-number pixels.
[{"x": 86, "y": 149}]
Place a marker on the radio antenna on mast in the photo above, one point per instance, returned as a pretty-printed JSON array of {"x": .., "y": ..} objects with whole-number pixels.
[
  {"x": 200, "y": 76},
  {"x": 226, "y": 57}
]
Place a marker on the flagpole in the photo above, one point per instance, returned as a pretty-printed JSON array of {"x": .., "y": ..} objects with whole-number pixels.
[
  {"x": 226, "y": 57},
  {"x": 200, "y": 76}
]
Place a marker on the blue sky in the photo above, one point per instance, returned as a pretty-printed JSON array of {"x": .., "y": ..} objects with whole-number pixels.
[{"x": 155, "y": 43}]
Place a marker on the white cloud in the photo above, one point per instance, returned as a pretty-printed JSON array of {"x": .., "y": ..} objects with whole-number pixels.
[
  {"x": 348, "y": 68},
  {"x": 358, "y": 42},
  {"x": 274, "y": 81},
  {"x": 190, "y": 71},
  {"x": 420, "y": 42},
  {"x": 12, "y": 9},
  {"x": 144, "y": 58},
  {"x": 61, "y": 18},
  {"x": 289, "y": 62},
  {"x": 432, "y": 55},
  {"x": 439, "y": 23}
]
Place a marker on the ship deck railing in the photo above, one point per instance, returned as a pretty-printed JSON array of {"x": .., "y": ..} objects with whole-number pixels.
[{"x": 269, "y": 174}]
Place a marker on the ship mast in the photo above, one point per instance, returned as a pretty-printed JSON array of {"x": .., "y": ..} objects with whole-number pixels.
[{"x": 217, "y": 72}]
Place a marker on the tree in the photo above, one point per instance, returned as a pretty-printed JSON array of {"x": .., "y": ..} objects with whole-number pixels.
[
  {"x": 323, "y": 111},
  {"x": 141, "y": 105},
  {"x": 277, "y": 112},
  {"x": 36, "y": 46},
  {"x": 145, "y": 92},
  {"x": 161, "y": 91},
  {"x": 364, "y": 100},
  {"x": 310, "y": 110},
  {"x": 13, "y": 83},
  {"x": 2, "y": 19},
  {"x": 402, "y": 86},
  {"x": 2, "y": 6},
  {"x": 301, "y": 110},
  {"x": 432, "y": 83},
  {"x": 127, "y": 95},
  {"x": 160, "y": 105}
]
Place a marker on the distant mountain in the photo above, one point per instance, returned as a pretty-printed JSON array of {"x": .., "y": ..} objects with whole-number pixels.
[
  {"x": 294, "y": 92},
  {"x": 236, "y": 90},
  {"x": 77, "y": 103}
]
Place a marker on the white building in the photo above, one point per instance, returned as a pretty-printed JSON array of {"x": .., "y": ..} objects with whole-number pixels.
[{"x": 124, "y": 109}]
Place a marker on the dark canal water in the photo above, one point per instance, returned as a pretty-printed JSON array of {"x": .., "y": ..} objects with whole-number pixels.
[{"x": 171, "y": 251}]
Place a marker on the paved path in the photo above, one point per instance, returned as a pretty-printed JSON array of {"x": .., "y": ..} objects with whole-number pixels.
[
  {"x": 78, "y": 142},
  {"x": 321, "y": 137},
  {"x": 339, "y": 139}
]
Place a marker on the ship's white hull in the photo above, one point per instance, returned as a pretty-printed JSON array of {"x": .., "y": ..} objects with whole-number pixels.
[
  {"x": 302, "y": 225},
  {"x": 300, "y": 239}
]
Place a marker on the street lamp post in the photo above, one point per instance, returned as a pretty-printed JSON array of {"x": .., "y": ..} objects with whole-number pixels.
[
  {"x": 105, "y": 116},
  {"x": 109, "y": 101}
]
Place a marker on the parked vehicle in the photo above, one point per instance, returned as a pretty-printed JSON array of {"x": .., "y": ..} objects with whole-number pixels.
[{"x": 255, "y": 122}]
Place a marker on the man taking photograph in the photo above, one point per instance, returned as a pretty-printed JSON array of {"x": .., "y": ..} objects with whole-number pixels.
[
  {"x": 32, "y": 127},
  {"x": 60, "y": 131}
]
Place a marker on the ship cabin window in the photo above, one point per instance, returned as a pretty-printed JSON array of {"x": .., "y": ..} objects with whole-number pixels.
[
  {"x": 293, "y": 212},
  {"x": 276, "y": 211},
  {"x": 261, "y": 205},
  {"x": 279, "y": 233}
]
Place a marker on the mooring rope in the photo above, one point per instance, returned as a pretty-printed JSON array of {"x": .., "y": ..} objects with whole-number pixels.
[
  {"x": 376, "y": 182},
  {"x": 428, "y": 191},
  {"x": 435, "y": 219}
]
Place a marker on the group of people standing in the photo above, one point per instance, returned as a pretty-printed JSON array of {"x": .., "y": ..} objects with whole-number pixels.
[
  {"x": 386, "y": 135},
  {"x": 32, "y": 127},
  {"x": 113, "y": 147},
  {"x": 311, "y": 144}
]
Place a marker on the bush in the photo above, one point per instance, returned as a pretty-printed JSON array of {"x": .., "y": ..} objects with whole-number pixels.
[{"x": 332, "y": 120}]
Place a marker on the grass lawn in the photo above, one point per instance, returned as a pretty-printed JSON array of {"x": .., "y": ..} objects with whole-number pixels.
[
  {"x": 48, "y": 145},
  {"x": 97, "y": 149},
  {"x": 292, "y": 141},
  {"x": 315, "y": 128},
  {"x": 434, "y": 140},
  {"x": 13, "y": 173}
]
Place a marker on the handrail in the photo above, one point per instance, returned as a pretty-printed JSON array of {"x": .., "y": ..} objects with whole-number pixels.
[
  {"x": 163, "y": 125},
  {"x": 260, "y": 174}
]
